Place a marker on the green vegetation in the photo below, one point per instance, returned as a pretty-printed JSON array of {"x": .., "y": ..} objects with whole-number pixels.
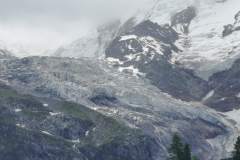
[
  {"x": 5, "y": 92},
  {"x": 105, "y": 129},
  {"x": 180, "y": 151}
]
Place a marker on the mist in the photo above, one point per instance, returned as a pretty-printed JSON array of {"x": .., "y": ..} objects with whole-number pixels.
[{"x": 35, "y": 26}]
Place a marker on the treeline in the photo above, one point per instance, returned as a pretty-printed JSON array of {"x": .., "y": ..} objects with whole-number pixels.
[{"x": 182, "y": 151}]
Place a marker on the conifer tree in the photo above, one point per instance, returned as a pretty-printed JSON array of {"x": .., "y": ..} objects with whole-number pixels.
[
  {"x": 176, "y": 150},
  {"x": 180, "y": 151},
  {"x": 236, "y": 153},
  {"x": 187, "y": 152}
]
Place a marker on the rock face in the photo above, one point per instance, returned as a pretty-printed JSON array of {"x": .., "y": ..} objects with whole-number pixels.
[
  {"x": 226, "y": 86},
  {"x": 50, "y": 129},
  {"x": 183, "y": 19},
  {"x": 150, "y": 32},
  {"x": 129, "y": 104},
  {"x": 131, "y": 101},
  {"x": 146, "y": 51},
  {"x": 230, "y": 28}
]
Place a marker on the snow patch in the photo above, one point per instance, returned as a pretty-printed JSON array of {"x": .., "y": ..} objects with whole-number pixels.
[
  {"x": 151, "y": 43},
  {"x": 127, "y": 37},
  {"x": 54, "y": 114},
  {"x": 20, "y": 125},
  {"x": 76, "y": 141},
  {"x": 131, "y": 69},
  {"x": 114, "y": 60},
  {"x": 86, "y": 133},
  {"x": 204, "y": 48},
  {"x": 18, "y": 110},
  {"x": 130, "y": 57},
  {"x": 209, "y": 95},
  {"x": 47, "y": 133},
  {"x": 45, "y": 105},
  {"x": 234, "y": 115},
  {"x": 223, "y": 99}
]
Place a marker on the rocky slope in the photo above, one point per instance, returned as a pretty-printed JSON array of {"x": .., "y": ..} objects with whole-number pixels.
[
  {"x": 50, "y": 129},
  {"x": 202, "y": 26},
  {"x": 129, "y": 100},
  {"x": 157, "y": 77},
  {"x": 225, "y": 94},
  {"x": 186, "y": 39},
  {"x": 146, "y": 51}
]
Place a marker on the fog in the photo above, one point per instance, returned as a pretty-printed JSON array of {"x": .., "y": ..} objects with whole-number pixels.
[{"x": 37, "y": 25}]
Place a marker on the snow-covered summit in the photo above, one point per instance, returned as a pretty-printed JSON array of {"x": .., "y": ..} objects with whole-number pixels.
[
  {"x": 204, "y": 48},
  {"x": 208, "y": 51}
]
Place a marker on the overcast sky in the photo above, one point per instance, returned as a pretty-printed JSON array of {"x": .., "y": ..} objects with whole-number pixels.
[{"x": 48, "y": 23}]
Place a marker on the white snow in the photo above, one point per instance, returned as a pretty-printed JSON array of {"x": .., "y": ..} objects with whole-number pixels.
[
  {"x": 234, "y": 115},
  {"x": 45, "y": 105},
  {"x": 47, "y": 133},
  {"x": 54, "y": 113},
  {"x": 130, "y": 56},
  {"x": 206, "y": 49},
  {"x": 86, "y": 133},
  {"x": 133, "y": 70},
  {"x": 151, "y": 43},
  {"x": 75, "y": 141},
  {"x": 209, "y": 95},
  {"x": 128, "y": 37},
  {"x": 17, "y": 110},
  {"x": 223, "y": 99},
  {"x": 20, "y": 125},
  {"x": 114, "y": 60}
]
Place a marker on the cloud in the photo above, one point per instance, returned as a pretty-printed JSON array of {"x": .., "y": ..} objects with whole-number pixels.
[{"x": 49, "y": 23}]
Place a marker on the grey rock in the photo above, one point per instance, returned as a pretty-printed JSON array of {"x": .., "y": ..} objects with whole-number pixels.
[
  {"x": 65, "y": 131},
  {"x": 226, "y": 85},
  {"x": 230, "y": 28},
  {"x": 184, "y": 18},
  {"x": 155, "y": 63},
  {"x": 140, "y": 106}
]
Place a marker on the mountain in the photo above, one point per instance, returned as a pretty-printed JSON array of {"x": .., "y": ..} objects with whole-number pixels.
[
  {"x": 147, "y": 50},
  {"x": 225, "y": 94},
  {"x": 129, "y": 100},
  {"x": 92, "y": 45},
  {"x": 44, "y": 128},
  {"x": 204, "y": 46},
  {"x": 5, "y": 54},
  {"x": 179, "y": 56},
  {"x": 123, "y": 91}
]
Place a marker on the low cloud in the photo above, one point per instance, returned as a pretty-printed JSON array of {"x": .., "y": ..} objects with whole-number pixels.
[{"x": 49, "y": 23}]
